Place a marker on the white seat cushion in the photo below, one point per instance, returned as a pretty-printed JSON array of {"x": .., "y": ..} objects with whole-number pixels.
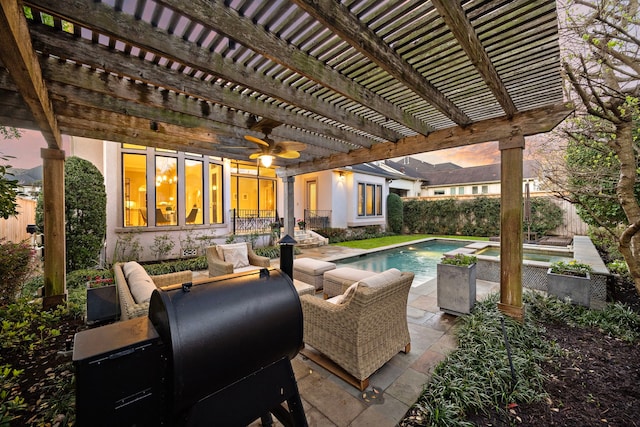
[
  {"x": 312, "y": 267},
  {"x": 381, "y": 279},
  {"x": 139, "y": 282},
  {"x": 347, "y": 273}
]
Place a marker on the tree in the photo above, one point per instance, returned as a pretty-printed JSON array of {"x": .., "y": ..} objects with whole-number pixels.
[
  {"x": 85, "y": 213},
  {"x": 8, "y": 187},
  {"x": 602, "y": 67}
]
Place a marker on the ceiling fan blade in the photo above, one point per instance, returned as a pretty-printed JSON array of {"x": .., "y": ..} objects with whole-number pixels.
[
  {"x": 288, "y": 154},
  {"x": 254, "y": 156},
  {"x": 256, "y": 140},
  {"x": 292, "y": 145}
]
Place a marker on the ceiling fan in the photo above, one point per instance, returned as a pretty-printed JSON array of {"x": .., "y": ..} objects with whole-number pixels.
[{"x": 268, "y": 149}]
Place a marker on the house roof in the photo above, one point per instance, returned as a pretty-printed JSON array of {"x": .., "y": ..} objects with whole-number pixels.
[
  {"x": 356, "y": 81},
  {"x": 378, "y": 169},
  {"x": 476, "y": 174},
  {"x": 417, "y": 168}
]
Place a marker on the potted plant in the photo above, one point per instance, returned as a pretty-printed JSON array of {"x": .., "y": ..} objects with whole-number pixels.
[
  {"x": 301, "y": 224},
  {"x": 456, "y": 283},
  {"x": 102, "y": 300},
  {"x": 570, "y": 280}
]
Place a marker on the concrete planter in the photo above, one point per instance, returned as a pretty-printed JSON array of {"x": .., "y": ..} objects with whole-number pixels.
[
  {"x": 577, "y": 289},
  {"x": 456, "y": 288}
]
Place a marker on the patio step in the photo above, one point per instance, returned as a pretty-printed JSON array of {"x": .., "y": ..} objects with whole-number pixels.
[{"x": 309, "y": 239}]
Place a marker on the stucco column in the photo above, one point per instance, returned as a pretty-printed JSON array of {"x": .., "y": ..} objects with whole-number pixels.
[
  {"x": 289, "y": 217},
  {"x": 511, "y": 151},
  {"x": 54, "y": 230}
]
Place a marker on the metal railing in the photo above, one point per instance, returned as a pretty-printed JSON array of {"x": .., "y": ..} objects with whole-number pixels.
[
  {"x": 315, "y": 219},
  {"x": 246, "y": 221}
]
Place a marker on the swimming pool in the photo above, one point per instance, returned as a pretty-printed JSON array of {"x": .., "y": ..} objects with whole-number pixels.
[{"x": 420, "y": 258}]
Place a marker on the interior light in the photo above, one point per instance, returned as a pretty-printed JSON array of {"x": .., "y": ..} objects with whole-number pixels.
[{"x": 266, "y": 160}]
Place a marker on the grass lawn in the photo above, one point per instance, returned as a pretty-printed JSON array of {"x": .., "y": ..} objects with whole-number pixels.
[{"x": 394, "y": 240}]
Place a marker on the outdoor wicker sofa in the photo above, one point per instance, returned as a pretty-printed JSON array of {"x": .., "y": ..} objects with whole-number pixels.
[
  {"x": 220, "y": 263},
  {"x": 364, "y": 331},
  {"x": 129, "y": 308}
]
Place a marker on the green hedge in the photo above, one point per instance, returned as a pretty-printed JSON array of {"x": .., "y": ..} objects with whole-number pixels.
[
  {"x": 394, "y": 213},
  {"x": 337, "y": 235},
  {"x": 474, "y": 217}
]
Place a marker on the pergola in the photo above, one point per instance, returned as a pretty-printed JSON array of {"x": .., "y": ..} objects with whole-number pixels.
[{"x": 356, "y": 81}]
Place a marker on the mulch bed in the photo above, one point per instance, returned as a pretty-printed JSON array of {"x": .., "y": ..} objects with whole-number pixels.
[{"x": 594, "y": 383}]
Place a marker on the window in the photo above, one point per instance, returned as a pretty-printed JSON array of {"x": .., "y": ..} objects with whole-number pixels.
[
  {"x": 179, "y": 181},
  {"x": 194, "y": 196},
  {"x": 166, "y": 190},
  {"x": 460, "y": 190},
  {"x": 369, "y": 199},
  {"x": 134, "y": 189},
  {"x": 485, "y": 189},
  {"x": 253, "y": 190},
  {"x": 438, "y": 192},
  {"x": 216, "y": 215},
  {"x": 474, "y": 189},
  {"x": 452, "y": 191}
]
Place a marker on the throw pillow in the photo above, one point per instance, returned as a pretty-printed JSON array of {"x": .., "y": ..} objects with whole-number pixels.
[
  {"x": 139, "y": 281},
  {"x": 346, "y": 296},
  {"x": 236, "y": 254},
  {"x": 381, "y": 279}
]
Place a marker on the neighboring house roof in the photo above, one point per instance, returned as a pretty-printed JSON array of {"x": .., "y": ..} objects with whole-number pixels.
[
  {"x": 476, "y": 174},
  {"x": 379, "y": 170},
  {"x": 417, "y": 168}
]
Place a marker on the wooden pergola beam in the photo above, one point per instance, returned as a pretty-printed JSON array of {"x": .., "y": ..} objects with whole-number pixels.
[
  {"x": 20, "y": 59},
  {"x": 137, "y": 69},
  {"x": 340, "y": 20},
  {"x": 525, "y": 123},
  {"x": 459, "y": 25},
  {"x": 226, "y": 20},
  {"x": 104, "y": 19}
]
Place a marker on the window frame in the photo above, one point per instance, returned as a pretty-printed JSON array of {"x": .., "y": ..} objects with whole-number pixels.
[{"x": 369, "y": 199}]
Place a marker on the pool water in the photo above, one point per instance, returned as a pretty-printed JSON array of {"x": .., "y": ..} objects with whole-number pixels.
[
  {"x": 530, "y": 255},
  {"x": 420, "y": 258}
]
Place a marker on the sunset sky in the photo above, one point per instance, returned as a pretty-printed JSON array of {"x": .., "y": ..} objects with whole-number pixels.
[{"x": 26, "y": 151}]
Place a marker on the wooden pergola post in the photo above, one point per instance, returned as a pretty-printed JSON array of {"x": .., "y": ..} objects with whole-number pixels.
[
  {"x": 54, "y": 232},
  {"x": 511, "y": 235},
  {"x": 289, "y": 217}
]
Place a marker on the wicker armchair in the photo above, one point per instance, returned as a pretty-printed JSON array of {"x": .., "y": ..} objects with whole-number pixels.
[
  {"x": 128, "y": 306},
  {"x": 218, "y": 267},
  {"x": 363, "y": 333}
]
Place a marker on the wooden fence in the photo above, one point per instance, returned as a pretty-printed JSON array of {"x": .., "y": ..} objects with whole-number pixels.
[{"x": 14, "y": 229}]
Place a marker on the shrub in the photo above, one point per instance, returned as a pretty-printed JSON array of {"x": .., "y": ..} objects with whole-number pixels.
[
  {"x": 162, "y": 245},
  {"x": 571, "y": 268},
  {"x": 14, "y": 267},
  {"x": 273, "y": 252},
  {"x": 85, "y": 213},
  {"x": 193, "y": 264},
  {"x": 394, "y": 212},
  {"x": 79, "y": 278},
  {"x": 479, "y": 216},
  {"x": 335, "y": 235},
  {"x": 459, "y": 259}
]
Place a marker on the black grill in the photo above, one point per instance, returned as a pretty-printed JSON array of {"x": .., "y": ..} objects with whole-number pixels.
[{"x": 215, "y": 353}]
